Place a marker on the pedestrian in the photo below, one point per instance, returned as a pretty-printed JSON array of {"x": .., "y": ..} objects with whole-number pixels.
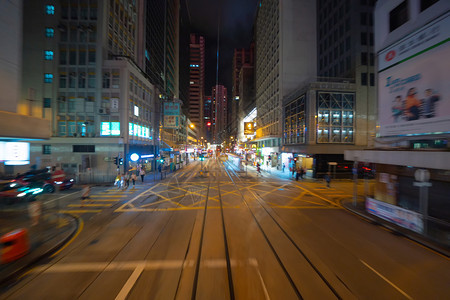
[
  {"x": 86, "y": 192},
  {"x": 133, "y": 178},
  {"x": 159, "y": 168},
  {"x": 328, "y": 179},
  {"x": 297, "y": 174},
  {"x": 283, "y": 167},
  {"x": 118, "y": 181},
  {"x": 302, "y": 172},
  {"x": 142, "y": 173},
  {"x": 127, "y": 180},
  {"x": 258, "y": 169}
]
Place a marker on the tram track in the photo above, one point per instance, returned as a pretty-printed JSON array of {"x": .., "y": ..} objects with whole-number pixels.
[{"x": 233, "y": 176}]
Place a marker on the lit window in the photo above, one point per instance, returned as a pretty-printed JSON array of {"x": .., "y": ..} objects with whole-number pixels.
[
  {"x": 50, "y": 9},
  {"x": 49, "y": 32},
  {"x": 48, "y": 55},
  {"x": 48, "y": 78}
]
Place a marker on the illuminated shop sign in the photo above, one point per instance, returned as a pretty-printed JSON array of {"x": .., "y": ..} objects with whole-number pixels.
[
  {"x": 110, "y": 128},
  {"x": 139, "y": 131},
  {"x": 15, "y": 153}
]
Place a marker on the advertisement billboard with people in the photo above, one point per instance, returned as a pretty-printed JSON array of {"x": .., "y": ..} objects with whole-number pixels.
[{"x": 413, "y": 89}]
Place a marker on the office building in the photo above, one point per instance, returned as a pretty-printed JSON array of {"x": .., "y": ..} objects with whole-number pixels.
[
  {"x": 197, "y": 81},
  {"x": 285, "y": 57},
  {"x": 89, "y": 85}
]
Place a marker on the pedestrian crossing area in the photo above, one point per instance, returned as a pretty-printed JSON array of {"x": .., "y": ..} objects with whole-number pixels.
[{"x": 97, "y": 202}]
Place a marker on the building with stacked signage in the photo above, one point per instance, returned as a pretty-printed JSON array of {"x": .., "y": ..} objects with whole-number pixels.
[{"x": 411, "y": 154}]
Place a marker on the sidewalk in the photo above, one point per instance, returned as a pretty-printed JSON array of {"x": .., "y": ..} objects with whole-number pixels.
[{"x": 44, "y": 238}]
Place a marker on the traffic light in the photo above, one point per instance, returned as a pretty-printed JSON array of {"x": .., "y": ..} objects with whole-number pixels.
[
  {"x": 116, "y": 160},
  {"x": 120, "y": 161},
  {"x": 208, "y": 124},
  {"x": 161, "y": 160}
]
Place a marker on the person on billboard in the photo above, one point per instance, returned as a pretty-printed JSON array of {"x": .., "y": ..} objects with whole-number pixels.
[
  {"x": 397, "y": 108},
  {"x": 412, "y": 105},
  {"x": 429, "y": 103}
]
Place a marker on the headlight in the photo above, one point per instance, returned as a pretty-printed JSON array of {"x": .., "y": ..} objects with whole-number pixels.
[
  {"x": 37, "y": 191},
  {"x": 58, "y": 182},
  {"x": 71, "y": 180},
  {"x": 21, "y": 194}
]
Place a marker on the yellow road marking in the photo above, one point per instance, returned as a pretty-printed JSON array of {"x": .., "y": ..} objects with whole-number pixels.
[
  {"x": 81, "y": 211},
  {"x": 80, "y": 228},
  {"x": 101, "y": 200},
  {"x": 88, "y": 205},
  {"x": 108, "y": 196},
  {"x": 173, "y": 209},
  {"x": 323, "y": 198}
]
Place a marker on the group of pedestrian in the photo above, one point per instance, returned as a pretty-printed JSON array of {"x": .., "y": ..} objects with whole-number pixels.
[
  {"x": 299, "y": 172},
  {"x": 123, "y": 180}
]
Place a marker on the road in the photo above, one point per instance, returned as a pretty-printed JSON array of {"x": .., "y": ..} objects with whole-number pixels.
[{"x": 219, "y": 234}]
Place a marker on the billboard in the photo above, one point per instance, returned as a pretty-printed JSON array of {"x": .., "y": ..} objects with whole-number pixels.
[
  {"x": 249, "y": 128},
  {"x": 171, "y": 115},
  {"x": 413, "y": 93},
  {"x": 15, "y": 153}
]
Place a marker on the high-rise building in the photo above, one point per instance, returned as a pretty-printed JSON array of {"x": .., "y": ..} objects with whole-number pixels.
[
  {"x": 285, "y": 57},
  {"x": 21, "y": 117},
  {"x": 345, "y": 51},
  {"x": 90, "y": 86},
  {"x": 161, "y": 45},
  {"x": 210, "y": 117},
  {"x": 220, "y": 97},
  {"x": 197, "y": 81},
  {"x": 241, "y": 57}
]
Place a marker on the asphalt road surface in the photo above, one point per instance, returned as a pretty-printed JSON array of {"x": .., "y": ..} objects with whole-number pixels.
[{"x": 218, "y": 234}]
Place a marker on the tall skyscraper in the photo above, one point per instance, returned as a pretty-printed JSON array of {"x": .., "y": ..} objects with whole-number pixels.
[
  {"x": 285, "y": 57},
  {"x": 161, "y": 45},
  {"x": 219, "y": 95},
  {"x": 241, "y": 57},
  {"x": 197, "y": 81}
]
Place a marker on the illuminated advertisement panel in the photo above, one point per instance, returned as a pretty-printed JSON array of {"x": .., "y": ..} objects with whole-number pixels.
[
  {"x": 413, "y": 93},
  {"x": 109, "y": 128},
  {"x": 15, "y": 153}
]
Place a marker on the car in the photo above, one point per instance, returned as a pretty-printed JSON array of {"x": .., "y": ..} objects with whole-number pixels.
[
  {"x": 13, "y": 192},
  {"x": 46, "y": 180}
]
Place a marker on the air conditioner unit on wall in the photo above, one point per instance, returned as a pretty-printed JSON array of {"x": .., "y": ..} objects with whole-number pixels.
[{"x": 103, "y": 111}]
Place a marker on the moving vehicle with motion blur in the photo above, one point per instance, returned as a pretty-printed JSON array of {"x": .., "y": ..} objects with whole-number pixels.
[
  {"x": 45, "y": 179},
  {"x": 12, "y": 192}
]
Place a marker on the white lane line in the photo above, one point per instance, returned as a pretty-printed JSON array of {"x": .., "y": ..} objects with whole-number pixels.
[
  {"x": 253, "y": 262},
  {"x": 50, "y": 201},
  {"x": 130, "y": 283},
  {"x": 387, "y": 280}
]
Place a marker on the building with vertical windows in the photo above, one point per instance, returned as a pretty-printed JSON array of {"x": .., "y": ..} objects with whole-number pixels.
[
  {"x": 21, "y": 121},
  {"x": 220, "y": 97},
  {"x": 210, "y": 117},
  {"x": 335, "y": 110},
  {"x": 285, "y": 57},
  {"x": 100, "y": 102},
  {"x": 241, "y": 57},
  {"x": 410, "y": 154},
  {"x": 197, "y": 81}
]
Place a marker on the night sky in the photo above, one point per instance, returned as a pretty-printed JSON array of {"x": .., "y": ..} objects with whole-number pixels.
[{"x": 236, "y": 21}]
